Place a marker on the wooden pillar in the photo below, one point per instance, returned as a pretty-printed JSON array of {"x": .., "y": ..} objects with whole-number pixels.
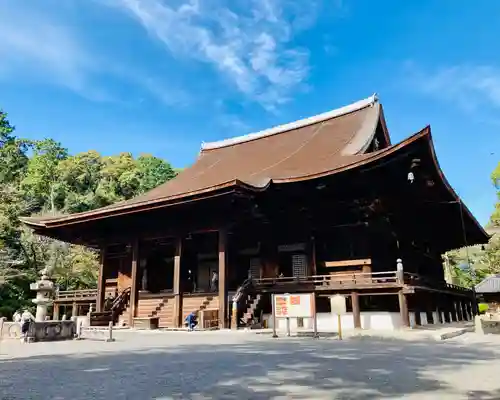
[
  {"x": 177, "y": 284},
  {"x": 222, "y": 279},
  {"x": 74, "y": 310},
  {"x": 475, "y": 304},
  {"x": 468, "y": 305},
  {"x": 133, "y": 289},
  {"x": 101, "y": 282},
  {"x": 55, "y": 312},
  {"x": 429, "y": 312},
  {"x": 356, "y": 313},
  {"x": 403, "y": 309},
  {"x": 465, "y": 316},
  {"x": 460, "y": 314},
  {"x": 314, "y": 269},
  {"x": 453, "y": 310},
  {"x": 446, "y": 309}
]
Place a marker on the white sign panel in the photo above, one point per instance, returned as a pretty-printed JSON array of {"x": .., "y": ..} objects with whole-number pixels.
[
  {"x": 338, "y": 305},
  {"x": 293, "y": 305}
]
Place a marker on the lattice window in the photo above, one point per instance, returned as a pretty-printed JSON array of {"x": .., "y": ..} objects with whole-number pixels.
[
  {"x": 299, "y": 265},
  {"x": 255, "y": 268}
]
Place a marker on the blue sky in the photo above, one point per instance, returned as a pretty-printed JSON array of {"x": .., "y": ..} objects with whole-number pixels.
[{"x": 160, "y": 76}]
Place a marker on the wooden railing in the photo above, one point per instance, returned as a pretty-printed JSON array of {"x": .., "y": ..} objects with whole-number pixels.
[
  {"x": 419, "y": 280},
  {"x": 358, "y": 279},
  {"x": 76, "y": 294},
  {"x": 347, "y": 279}
]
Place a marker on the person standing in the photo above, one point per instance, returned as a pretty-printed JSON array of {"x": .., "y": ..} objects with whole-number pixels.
[
  {"x": 17, "y": 317},
  {"x": 26, "y": 319},
  {"x": 215, "y": 281}
]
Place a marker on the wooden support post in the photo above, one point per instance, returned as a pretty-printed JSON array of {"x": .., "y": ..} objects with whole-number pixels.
[
  {"x": 463, "y": 309},
  {"x": 74, "y": 310},
  {"x": 453, "y": 310},
  {"x": 314, "y": 269},
  {"x": 133, "y": 289},
  {"x": 356, "y": 313},
  {"x": 470, "y": 311},
  {"x": 55, "y": 312},
  {"x": 222, "y": 280},
  {"x": 447, "y": 310},
  {"x": 177, "y": 284},
  {"x": 458, "y": 305},
  {"x": 403, "y": 309},
  {"x": 101, "y": 282}
]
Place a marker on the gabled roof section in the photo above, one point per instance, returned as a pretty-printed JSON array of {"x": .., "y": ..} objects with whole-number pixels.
[
  {"x": 300, "y": 150},
  {"x": 489, "y": 285},
  {"x": 359, "y": 105}
]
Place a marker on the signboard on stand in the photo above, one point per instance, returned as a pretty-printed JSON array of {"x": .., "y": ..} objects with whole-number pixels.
[
  {"x": 293, "y": 306},
  {"x": 338, "y": 306}
]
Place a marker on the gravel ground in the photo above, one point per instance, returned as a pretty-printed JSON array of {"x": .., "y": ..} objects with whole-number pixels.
[{"x": 226, "y": 365}]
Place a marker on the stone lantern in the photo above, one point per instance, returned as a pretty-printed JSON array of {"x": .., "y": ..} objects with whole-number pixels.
[{"x": 44, "y": 289}]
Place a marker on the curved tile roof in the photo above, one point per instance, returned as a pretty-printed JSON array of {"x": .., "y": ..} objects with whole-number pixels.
[{"x": 300, "y": 150}]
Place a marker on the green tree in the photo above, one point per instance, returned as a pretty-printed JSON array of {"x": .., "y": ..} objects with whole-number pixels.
[
  {"x": 81, "y": 175},
  {"x": 13, "y": 159},
  {"x": 38, "y": 177},
  {"x": 470, "y": 266},
  {"x": 495, "y": 178},
  {"x": 41, "y": 183}
]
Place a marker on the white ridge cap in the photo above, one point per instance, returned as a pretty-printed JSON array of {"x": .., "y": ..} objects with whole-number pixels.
[{"x": 370, "y": 101}]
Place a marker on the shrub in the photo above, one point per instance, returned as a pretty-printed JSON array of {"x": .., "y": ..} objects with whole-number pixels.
[{"x": 483, "y": 307}]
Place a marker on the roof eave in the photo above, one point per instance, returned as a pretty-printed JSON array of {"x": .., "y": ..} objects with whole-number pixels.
[{"x": 453, "y": 193}]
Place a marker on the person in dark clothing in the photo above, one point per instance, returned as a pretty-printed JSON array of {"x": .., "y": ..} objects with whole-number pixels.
[
  {"x": 191, "y": 321},
  {"x": 108, "y": 303},
  {"x": 26, "y": 319}
]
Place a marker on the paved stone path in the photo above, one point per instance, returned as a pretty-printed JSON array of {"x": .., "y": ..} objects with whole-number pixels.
[{"x": 225, "y": 365}]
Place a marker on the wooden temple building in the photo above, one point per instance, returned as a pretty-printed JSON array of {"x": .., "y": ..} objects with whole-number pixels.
[{"x": 326, "y": 204}]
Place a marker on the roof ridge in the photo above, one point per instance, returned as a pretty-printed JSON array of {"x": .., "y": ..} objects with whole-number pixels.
[{"x": 359, "y": 105}]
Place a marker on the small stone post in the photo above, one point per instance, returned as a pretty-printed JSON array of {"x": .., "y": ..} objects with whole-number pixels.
[
  {"x": 110, "y": 329},
  {"x": 399, "y": 271}
]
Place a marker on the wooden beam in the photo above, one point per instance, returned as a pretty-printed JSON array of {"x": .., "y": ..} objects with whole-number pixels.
[
  {"x": 222, "y": 279},
  {"x": 403, "y": 309},
  {"x": 133, "y": 289},
  {"x": 101, "y": 281},
  {"x": 348, "y": 263},
  {"x": 177, "y": 284},
  {"x": 356, "y": 310}
]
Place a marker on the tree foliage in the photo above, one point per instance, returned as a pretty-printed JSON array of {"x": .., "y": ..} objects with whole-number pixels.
[
  {"x": 495, "y": 178},
  {"x": 470, "y": 266},
  {"x": 42, "y": 177}
]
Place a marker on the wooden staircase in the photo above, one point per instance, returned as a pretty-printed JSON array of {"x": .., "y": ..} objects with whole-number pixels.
[
  {"x": 124, "y": 316},
  {"x": 115, "y": 314},
  {"x": 161, "y": 307},
  {"x": 199, "y": 303},
  {"x": 252, "y": 305}
]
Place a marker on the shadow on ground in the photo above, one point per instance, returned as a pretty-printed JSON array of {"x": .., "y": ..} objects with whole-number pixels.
[{"x": 285, "y": 368}]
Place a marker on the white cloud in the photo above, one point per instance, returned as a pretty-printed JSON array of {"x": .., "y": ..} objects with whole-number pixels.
[
  {"x": 43, "y": 45},
  {"x": 248, "y": 41},
  {"x": 469, "y": 86},
  {"x": 36, "y": 46}
]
